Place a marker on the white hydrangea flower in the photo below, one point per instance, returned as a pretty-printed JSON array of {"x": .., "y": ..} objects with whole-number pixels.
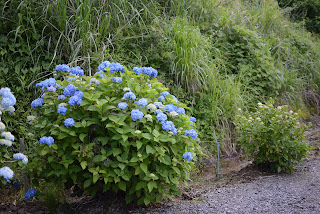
[
  {"x": 137, "y": 132},
  {"x": 126, "y": 89},
  {"x": 173, "y": 114},
  {"x": 152, "y": 106},
  {"x": 148, "y": 116},
  {"x": 2, "y": 126},
  {"x": 5, "y": 142}
]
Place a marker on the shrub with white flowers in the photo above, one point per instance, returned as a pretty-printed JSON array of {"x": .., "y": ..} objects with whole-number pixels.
[
  {"x": 119, "y": 130},
  {"x": 7, "y": 101}
]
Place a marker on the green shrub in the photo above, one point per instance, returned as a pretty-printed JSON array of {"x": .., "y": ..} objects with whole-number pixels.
[
  {"x": 100, "y": 146},
  {"x": 273, "y": 136}
]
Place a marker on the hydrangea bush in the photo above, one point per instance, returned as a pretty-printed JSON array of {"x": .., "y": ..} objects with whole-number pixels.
[
  {"x": 7, "y": 102},
  {"x": 119, "y": 130},
  {"x": 273, "y": 136}
]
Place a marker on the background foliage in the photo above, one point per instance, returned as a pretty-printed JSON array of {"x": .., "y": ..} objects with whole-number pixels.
[{"x": 216, "y": 55}]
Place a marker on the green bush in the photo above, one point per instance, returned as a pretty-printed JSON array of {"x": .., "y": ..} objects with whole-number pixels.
[
  {"x": 99, "y": 146},
  {"x": 273, "y": 136}
]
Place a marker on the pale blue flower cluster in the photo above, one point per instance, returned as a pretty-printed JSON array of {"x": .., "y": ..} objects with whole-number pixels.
[
  {"x": 114, "y": 67},
  {"x": 51, "y": 89},
  {"x": 75, "y": 100},
  {"x": 6, "y": 173},
  {"x": 165, "y": 93},
  {"x": 188, "y": 156},
  {"x": 20, "y": 156},
  {"x": 7, "y": 136},
  {"x": 146, "y": 70},
  {"x": 47, "y": 83},
  {"x": 62, "y": 67},
  {"x": 61, "y": 97},
  {"x": 30, "y": 193},
  {"x": 103, "y": 65},
  {"x": 122, "y": 105},
  {"x": 69, "y": 122},
  {"x": 129, "y": 95},
  {"x": 161, "y": 117},
  {"x": 8, "y": 99},
  {"x": 158, "y": 104},
  {"x": 192, "y": 133},
  {"x": 100, "y": 74},
  {"x": 77, "y": 71},
  {"x": 117, "y": 79},
  {"x": 150, "y": 86},
  {"x": 180, "y": 111},
  {"x": 142, "y": 102},
  {"x": 170, "y": 108},
  {"x": 169, "y": 126},
  {"x": 37, "y": 103},
  {"x": 47, "y": 140},
  {"x": 95, "y": 81},
  {"x": 161, "y": 98},
  {"x": 69, "y": 90},
  {"x": 158, "y": 111},
  {"x": 136, "y": 114},
  {"x": 5, "y": 142},
  {"x": 62, "y": 109},
  {"x": 193, "y": 119}
]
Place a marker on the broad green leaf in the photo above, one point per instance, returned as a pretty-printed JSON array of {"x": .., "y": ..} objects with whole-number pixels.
[
  {"x": 122, "y": 185},
  {"x": 149, "y": 149},
  {"x": 144, "y": 167},
  {"x": 93, "y": 108},
  {"x": 99, "y": 158},
  {"x": 87, "y": 183},
  {"x": 84, "y": 164},
  {"x": 82, "y": 136},
  {"x": 116, "y": 151}
]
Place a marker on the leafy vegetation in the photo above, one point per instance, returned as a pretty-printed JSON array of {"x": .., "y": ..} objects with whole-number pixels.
[
  {"x": 273, "y": 136},
  {"x": 94, "y": 134}
]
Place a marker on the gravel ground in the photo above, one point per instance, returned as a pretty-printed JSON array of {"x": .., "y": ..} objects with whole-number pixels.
[{"x": 284, "y": 193}]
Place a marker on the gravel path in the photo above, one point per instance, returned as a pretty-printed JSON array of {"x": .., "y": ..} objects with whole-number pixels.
[{"x": 284, "y": 193}]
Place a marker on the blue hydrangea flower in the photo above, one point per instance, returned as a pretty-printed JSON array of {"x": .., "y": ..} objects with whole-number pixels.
[
  {"x": 188, "y": 156},
  {"x": 62, "y": 109},
  {"x": 7, "y": 136},
  {"x": 170, "y": 108},
  {"x": 69, "y": 122},
  {"x": 115, "y": 67},
  {"x": 142, "y": 102},
  {"x": 137, "y": 70},
  {"x": 8, "y": 101},
  {"x": 158, "y": 111},
  {"x": 62, "y": 67},
  {"x": 165, "y": 93},
  {"x": 47, "y": 83},
  {"x": 122, "y": 105},
  {"x": 77, "y": 71},
  {"x": 100, "y": 74},
  {"x": 75, "y": 100},
  {"x": 103, "y": 65},
  {"x": 192, "y": 133},
  {"x": 16, "y": 185},
  {"x": 47, "y": 140},
  {"x": 20, "y": 156},
  {"x": 78, "y": 93},
  {"x": 37, "y": 103},
  {"x": 69, "y": 90},
  {"x": 168, "y": 126},
  {"x": 180, "y": 111},
  {"x": 150, "y": 71},
  {"x": 30, "y": 193},
  {"x": 94, "y": 80},
  {"x": 71, "y": 79},
  {"x": 150, "y": 86},
  {"x": 6, "y": 173},
  {"x": 161, "y": 117},
  {"x": 51, "y": 89},
  {"x": 117, "y": 79},
  {"x": 42, "y": 96},
  {"x": 61, "y": 97},
  {"x": 5, "y": 91},
  {"x": 193, "y": 119},
  {"x": 136, "y": 114},
  {"x": 161, "y": 98},
  {"x": 129, "y": 95},
  {"x": 158, "y": 104}
]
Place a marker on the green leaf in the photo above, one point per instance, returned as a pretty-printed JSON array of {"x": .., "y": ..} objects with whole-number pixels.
[
  {"x": 87, "y": 183},
  {"x": 144, "y": 167},
  {"x": 149, "y": 149},
  {"x": 122, "y": 185},
  {"x": 155, "y": 133},
  {"x": 99, "y": 158},
  {"x": 77, "y": 125},
  {"x": 151, "y": 185},
  {"x": 147, "y": 136},
  {"x": 139, "y": 144},
  {"x": 84, "y": 164},
  {"x": 116, "y": 151},
  {"x": 82, "y": 136},
  {"x": 93, "y": 108},
  {"x": 95, "y": 178},
  {"x": 176, "y": 170},
  {"x": 140, "y": 185}
]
